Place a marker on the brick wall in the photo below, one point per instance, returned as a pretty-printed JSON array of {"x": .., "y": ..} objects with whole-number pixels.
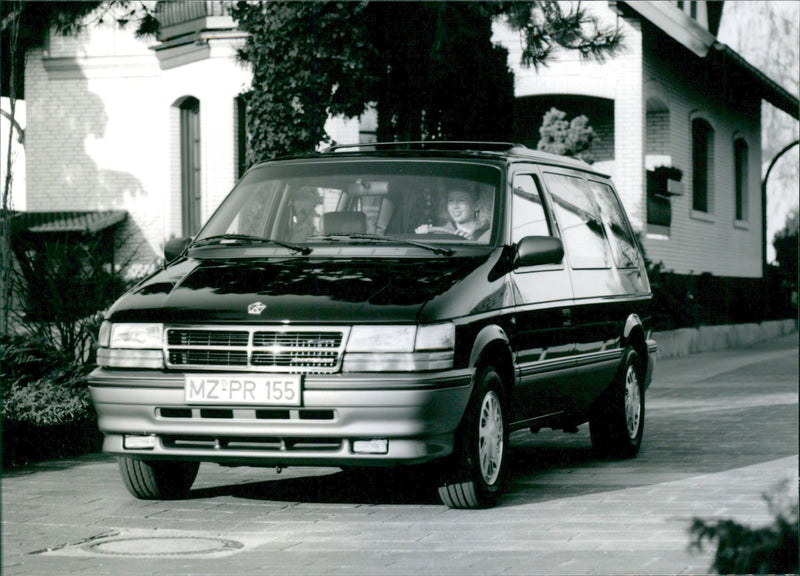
[
  {"x": 696, "y": 242},
  {"x": 103, "y": 130},
  {"x": 652, "y": 67}
]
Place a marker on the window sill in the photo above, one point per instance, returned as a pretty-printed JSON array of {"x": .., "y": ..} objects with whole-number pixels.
[
  {"x": 702, "y": 216},
  {"x": 657, "y": 232},
  {"x": 741, "y": 224}
]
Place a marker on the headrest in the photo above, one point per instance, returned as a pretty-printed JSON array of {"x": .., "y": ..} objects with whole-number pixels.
[{"x": 344, "y": 223}]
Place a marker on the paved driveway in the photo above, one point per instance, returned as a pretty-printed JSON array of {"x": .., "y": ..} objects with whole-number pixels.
[{"x": 721, "y": 429}]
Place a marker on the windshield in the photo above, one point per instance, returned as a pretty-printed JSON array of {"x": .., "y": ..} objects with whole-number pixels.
[{"x": 411, "y": 202}]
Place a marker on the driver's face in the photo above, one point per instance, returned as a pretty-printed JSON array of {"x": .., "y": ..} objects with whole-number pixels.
[{"x": 460, "y": 206}]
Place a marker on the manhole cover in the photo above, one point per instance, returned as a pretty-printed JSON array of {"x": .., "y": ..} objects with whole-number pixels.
[{"x": 163, "y": 546}]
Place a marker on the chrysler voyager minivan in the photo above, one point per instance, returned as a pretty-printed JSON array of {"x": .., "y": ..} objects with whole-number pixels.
[{"x": 383, "y": 305}]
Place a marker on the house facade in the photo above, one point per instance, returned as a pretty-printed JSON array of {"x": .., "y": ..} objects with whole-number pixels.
[
  {"x": 147, "y": 126},
  {"x": 679, "y": 117},
  {"x": 155, "y": 127}
]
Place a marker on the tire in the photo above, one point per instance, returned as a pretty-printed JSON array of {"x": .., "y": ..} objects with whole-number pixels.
[
  {"x": 617, "y": 424},
  {"x": 157, "y": 479},
  {"x": 474, "y": 475}
]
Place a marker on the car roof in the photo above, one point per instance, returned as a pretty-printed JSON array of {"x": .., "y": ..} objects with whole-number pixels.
[{"x": 496, "y": 151}]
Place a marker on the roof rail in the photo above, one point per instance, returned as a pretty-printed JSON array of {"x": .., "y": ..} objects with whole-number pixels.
[{"x": 426, "y": 145}]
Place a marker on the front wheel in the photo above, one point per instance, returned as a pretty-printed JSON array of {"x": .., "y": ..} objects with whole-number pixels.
[
  {"x": 157, "y": 479},
  {"x": 475, "y": 472},
  {"x": 618, "y": 423}
]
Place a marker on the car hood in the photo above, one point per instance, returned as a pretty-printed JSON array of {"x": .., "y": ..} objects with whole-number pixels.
[{"x": 334, "y": 290}]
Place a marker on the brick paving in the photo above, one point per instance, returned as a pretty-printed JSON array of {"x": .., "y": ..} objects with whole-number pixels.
[{"x": 721, "y": 429}]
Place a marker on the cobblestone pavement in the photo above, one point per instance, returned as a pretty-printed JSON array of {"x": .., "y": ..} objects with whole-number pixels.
[{"x": 721, "y": 429}]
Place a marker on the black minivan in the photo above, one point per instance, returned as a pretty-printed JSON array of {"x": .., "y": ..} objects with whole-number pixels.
[{"x": 383, "y": 305}]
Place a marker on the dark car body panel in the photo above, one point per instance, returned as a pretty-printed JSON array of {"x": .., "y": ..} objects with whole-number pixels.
[{"x": 302, "y": 289}]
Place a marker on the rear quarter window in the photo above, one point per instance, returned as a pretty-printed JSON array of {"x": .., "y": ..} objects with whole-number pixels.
[
  {"x": 620, "y": 235},
  {"x": 580, "y": 221}
]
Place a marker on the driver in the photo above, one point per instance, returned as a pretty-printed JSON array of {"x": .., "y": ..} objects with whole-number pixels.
[{"x": 465, "y": 219}]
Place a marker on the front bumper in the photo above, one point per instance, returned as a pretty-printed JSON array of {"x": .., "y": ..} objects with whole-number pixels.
[{"x": 416, "y": 413}]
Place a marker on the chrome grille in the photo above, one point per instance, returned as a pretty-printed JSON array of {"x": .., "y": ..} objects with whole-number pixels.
[
  {"x": 294, "y": 350},
  {"x": 184, "y": 337}
]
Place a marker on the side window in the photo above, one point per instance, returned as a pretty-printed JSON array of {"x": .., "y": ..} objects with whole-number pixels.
[
  {"x": 580, "y": 222},
  {"x": 527, "y": 212},
  {"x": 623, "y": 243}
]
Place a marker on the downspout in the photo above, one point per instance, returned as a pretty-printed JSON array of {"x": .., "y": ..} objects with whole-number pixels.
[{"x": 764, "y": 264}]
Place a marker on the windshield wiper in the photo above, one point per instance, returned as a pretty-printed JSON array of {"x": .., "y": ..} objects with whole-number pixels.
[
  {"x": 248, "y": 239},
  {"x": 388, "y": 239}
]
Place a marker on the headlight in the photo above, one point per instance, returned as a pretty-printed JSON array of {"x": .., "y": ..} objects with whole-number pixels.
[
  {"x": 130, "y": 345},
  {"x": 138, "y": 336},
  {"x": 382, "y": 339},
  {"x": 400, "y": 348}
]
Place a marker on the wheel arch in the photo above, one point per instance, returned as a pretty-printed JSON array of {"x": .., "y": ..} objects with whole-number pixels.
[
  {"x": 491, "y": 346},
  {"x": 633, "y": 335}
]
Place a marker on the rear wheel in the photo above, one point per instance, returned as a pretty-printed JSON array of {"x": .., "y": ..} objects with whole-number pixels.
[
  {"x": 475, "y": 472},
  {"x": 157, "y": 479},
  {"x": 618, "y": 423}
]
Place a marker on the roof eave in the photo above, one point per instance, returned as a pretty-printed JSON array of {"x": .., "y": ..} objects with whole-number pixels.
[
  {"x": 771, "y": 91},
  {"x": 702, "y": 43},
  {"x": 675, "y": 24}
]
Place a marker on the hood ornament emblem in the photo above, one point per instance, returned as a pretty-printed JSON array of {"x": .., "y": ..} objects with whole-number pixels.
[{"x": 256, "y": 308}]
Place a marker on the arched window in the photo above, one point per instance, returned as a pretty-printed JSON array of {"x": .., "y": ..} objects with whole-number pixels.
[
  {"x": 702, "y": 165},
  {"x": 190, "y": 166},
  {"x": 740, "y": 162}
]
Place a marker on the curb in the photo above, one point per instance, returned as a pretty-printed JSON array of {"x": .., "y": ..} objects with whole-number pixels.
[{"x": 684, "y": 341}]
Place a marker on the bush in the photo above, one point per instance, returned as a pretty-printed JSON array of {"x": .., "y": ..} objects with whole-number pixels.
[
  {"x": 573, "y": 138},
  {"x": 744, "y": 550},
  {"x": 46, "y": 408}
]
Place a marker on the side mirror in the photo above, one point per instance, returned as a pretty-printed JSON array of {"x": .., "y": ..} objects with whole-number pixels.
[
  {"x": 175, "y": 247},
  {"x": 538, "y": 250}
]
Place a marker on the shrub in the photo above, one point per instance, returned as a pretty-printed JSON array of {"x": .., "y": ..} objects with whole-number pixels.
[
  {"x": 46, "y": 409},
  {"x": 743, "y": 550},
  {"x": 573, "y": 138}
]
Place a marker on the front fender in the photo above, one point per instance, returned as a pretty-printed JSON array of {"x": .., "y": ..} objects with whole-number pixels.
[{"x": 486, "y": 336}]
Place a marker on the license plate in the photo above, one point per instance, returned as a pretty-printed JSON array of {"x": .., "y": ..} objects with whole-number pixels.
[{"x": 270, "y": 390}]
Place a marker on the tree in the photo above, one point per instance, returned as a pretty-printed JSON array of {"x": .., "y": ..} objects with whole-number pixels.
[
  {"x": 572, "y": 138},
  {"x": 309, "y": 60},
  {"x": 786, "y": 249},
  {"x": 439, "y": 77},
  {"x": 429, "y": 68}
]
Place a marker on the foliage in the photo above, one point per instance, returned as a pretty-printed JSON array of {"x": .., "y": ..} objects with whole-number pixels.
[
  {"x": 46, "y": 411},
  {"x": 690, "y": 301},
  {"x": 545, "y": 25},
  {"x": 744, "y": 550},
  {"x": 63, "y": 284},
  {"x": 28, "y": 358},
  {"x": 443, "y": 81},
  {"x": 573, "y": 138},
  {"x": 785, "y": 243},
  {"x": 436, "y": 76},
  {"x": 308, "y": 61}
]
